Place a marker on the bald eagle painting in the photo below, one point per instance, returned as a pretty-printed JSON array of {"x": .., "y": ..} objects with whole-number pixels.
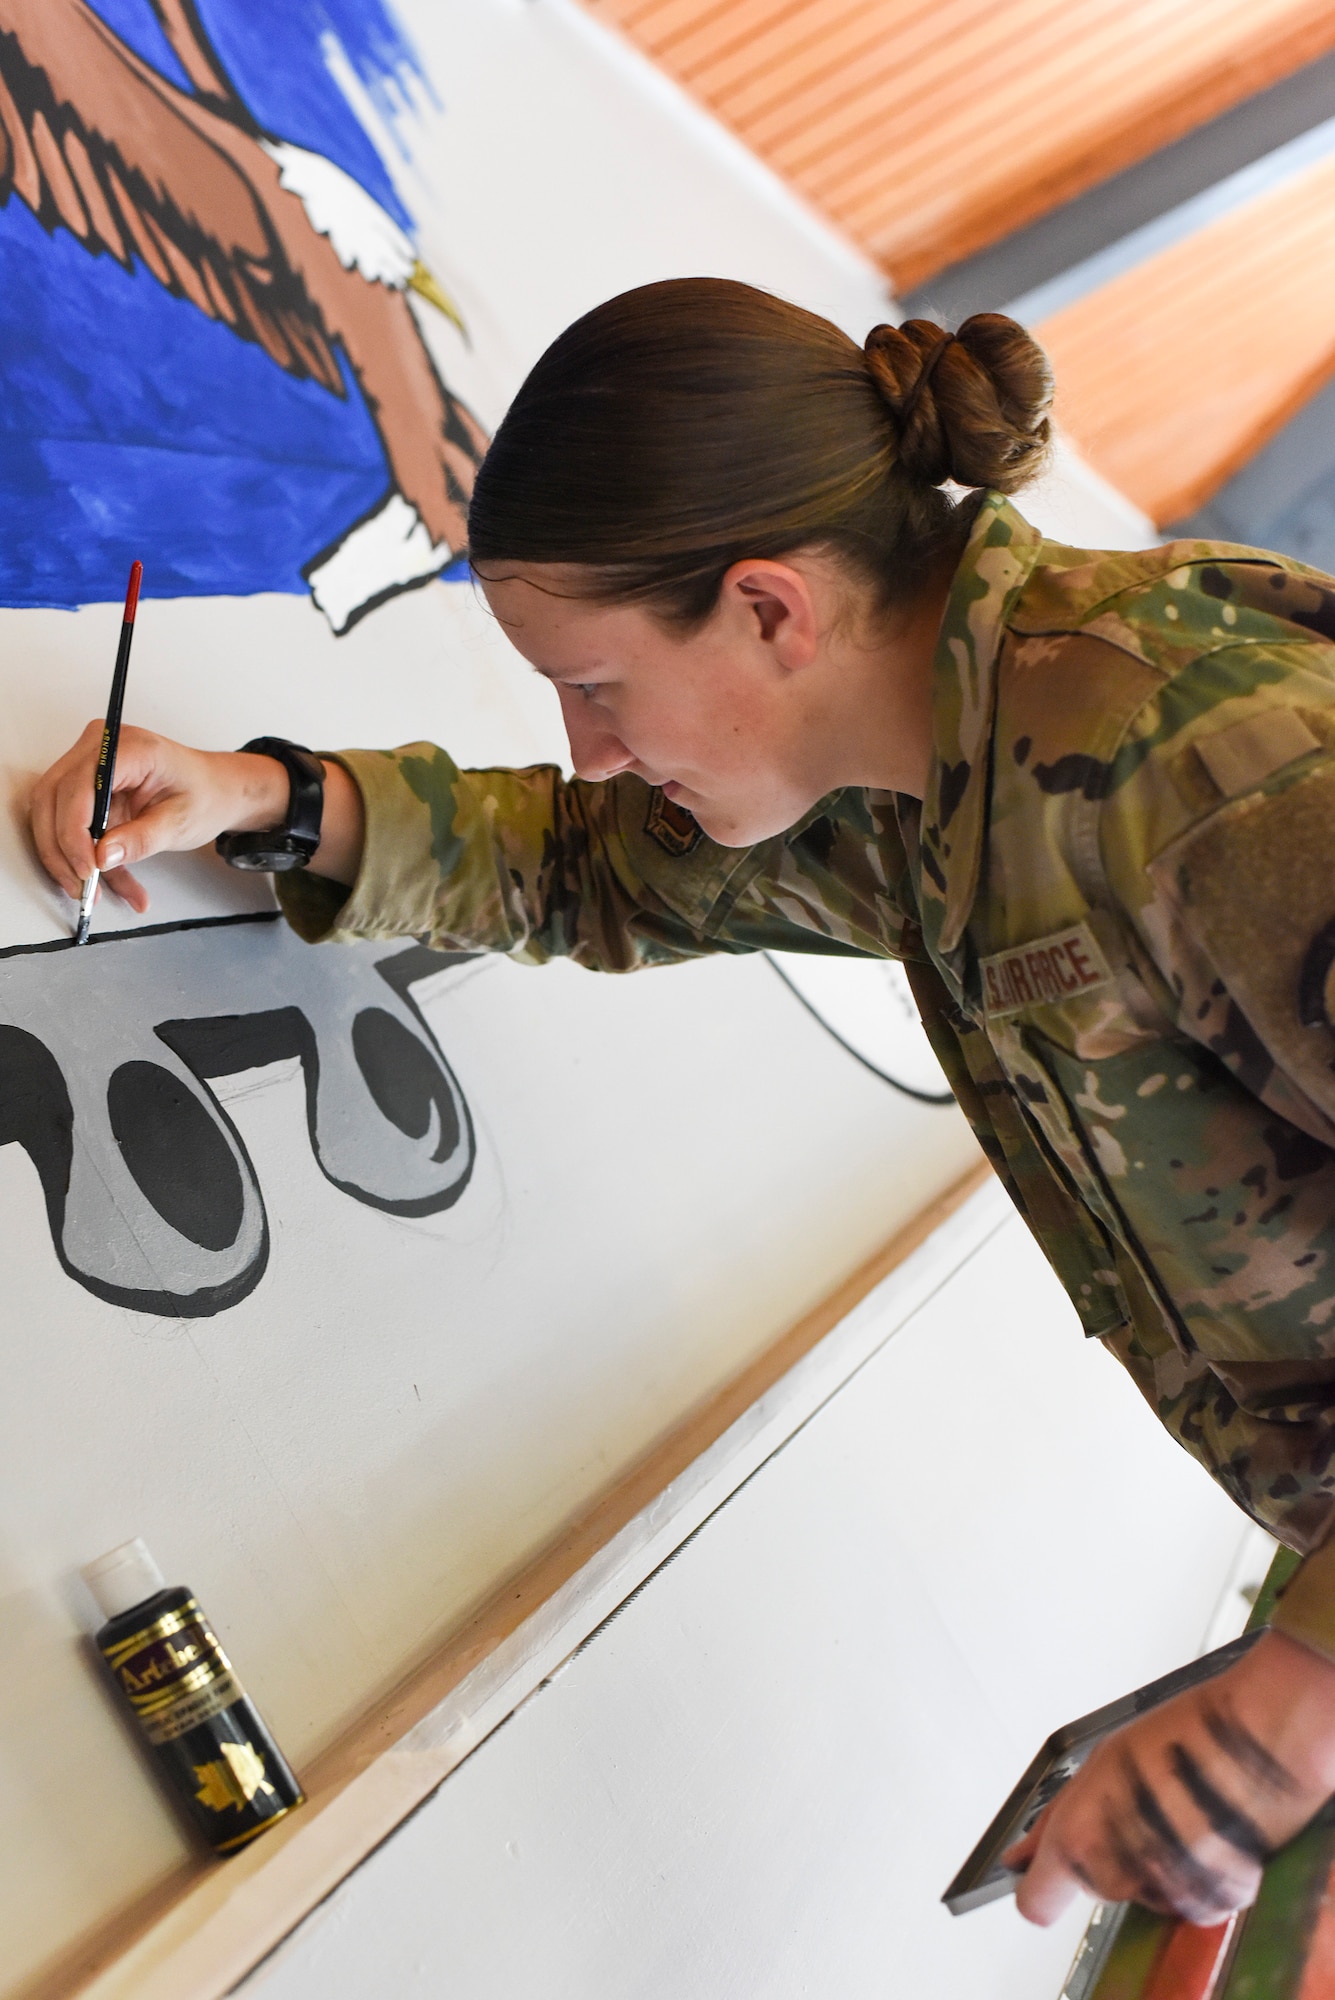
[{"x": 208, "y": 353}]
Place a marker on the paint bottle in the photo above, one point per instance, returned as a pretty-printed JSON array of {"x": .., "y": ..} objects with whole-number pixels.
[{"x": 217, "y": 1756}]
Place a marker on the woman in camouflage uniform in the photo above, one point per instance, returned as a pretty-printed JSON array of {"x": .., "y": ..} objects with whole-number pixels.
[{"x": 817, "y": 703}]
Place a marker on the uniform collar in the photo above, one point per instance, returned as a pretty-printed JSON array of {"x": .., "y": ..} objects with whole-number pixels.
[{"x": 998, "y": 558}]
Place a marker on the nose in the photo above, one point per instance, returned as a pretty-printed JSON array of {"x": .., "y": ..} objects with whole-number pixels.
[{"x": 596, "y": 751}]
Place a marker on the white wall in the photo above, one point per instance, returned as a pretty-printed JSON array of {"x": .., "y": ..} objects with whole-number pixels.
[
  {"x": 760, "y": 1775},
  {"x": 669, "y": 1169}
]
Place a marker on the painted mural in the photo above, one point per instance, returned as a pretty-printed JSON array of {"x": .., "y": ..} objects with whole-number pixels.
[
  {"x": 221, "y": 351},
  {"x": 106, "y": 1056},
  {"x": 212, "y": 356},
  {"x": 208, "y": 330}
]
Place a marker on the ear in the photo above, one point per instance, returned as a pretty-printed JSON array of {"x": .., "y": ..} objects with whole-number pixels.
[{"x": 775, "y": 603}]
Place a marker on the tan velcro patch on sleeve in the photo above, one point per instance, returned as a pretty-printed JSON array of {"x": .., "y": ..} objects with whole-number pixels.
[
  {"x": 1243, "y": 757},
  {"x": 1254, "y": 884}
]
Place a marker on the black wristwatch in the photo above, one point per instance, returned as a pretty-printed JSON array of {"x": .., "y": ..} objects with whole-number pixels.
[{"x": 292, "y": 844}]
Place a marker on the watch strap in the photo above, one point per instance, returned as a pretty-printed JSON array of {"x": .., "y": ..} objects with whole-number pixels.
[{"x": 292, "y": 843}]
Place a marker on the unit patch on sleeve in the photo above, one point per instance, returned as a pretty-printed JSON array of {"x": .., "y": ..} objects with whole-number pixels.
[
  {"x": 1050, "y": 969},
  {"x": 671, "y": 826}
]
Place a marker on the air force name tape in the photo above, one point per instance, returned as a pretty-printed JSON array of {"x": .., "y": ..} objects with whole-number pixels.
[{"x": 1049, "y": 970}]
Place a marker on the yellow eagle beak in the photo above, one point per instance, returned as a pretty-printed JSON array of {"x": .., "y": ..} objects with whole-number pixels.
[{"x": 426, "y": 287}]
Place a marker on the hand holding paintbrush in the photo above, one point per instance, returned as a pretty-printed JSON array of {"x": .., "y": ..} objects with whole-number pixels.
[
  {"x": 106, "y": 756},
  {"x": 172, "y": 799}
]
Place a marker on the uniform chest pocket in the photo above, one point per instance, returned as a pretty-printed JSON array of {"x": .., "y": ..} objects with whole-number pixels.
[
  {"x": 1228, "y": 1209},
  {"x": 1050, "y": 1197}
]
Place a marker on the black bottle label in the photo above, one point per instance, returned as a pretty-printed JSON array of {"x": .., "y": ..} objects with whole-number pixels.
[
  {"x": 211, "y": 1743},
  {"x": 174, "y": 1673}
]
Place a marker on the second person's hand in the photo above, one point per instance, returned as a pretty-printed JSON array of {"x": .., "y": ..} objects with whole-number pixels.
[{"x": 1180, "y": 1810}]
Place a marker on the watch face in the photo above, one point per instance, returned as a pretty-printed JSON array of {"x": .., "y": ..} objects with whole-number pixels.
[
  {"x": 280, "y": 859},
  {"x": 259, "y": 861},
  {"x": 265, "y": 853}
]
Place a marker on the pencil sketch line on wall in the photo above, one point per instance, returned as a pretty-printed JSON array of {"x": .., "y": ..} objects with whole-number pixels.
[{"x": 106, "y": 1057}]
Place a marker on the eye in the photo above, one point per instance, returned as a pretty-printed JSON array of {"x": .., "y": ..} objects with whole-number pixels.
[{"x": 586, "y": 688}]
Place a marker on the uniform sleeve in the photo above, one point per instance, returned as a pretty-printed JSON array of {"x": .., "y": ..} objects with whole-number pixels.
[
  {"x": 610, "y": 875},
  {"x": 1237, "y": 911},
  {"x": 516, "y": 861}
]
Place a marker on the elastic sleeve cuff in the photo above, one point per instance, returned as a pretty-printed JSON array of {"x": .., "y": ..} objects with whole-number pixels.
[
  {"x": 398, "y": 880},
  {"x": 1306, "y": 1608}
]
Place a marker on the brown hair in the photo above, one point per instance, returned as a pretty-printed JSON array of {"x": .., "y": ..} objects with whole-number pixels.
[{"x": 687, "y": 425}]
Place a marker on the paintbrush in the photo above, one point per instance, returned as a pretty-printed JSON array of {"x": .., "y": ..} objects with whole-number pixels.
[{"x": 106, "y": 756}]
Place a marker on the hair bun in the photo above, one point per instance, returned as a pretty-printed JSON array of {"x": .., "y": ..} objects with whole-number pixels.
[{"x": 972, "y": 406}]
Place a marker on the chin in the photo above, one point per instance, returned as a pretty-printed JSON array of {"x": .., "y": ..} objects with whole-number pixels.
[{"x": 739, "y": 828}]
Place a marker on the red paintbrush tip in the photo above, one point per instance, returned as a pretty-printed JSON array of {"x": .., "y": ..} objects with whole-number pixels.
[{"x": 132, "y": 591}]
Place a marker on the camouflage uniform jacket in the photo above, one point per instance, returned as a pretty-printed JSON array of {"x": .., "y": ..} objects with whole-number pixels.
[{"x": 1116, "y": 905}]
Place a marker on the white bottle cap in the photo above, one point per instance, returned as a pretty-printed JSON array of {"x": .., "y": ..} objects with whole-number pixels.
[{"x": 123, "y": 1577}]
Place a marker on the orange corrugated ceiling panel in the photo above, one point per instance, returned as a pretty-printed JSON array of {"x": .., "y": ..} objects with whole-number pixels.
[
  {"x": 1172, "y": 375},
  {"x": 928, "y": 128}
]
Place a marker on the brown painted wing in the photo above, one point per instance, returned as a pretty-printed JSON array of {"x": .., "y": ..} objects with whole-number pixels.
[
  {"x": 96, "y": 142},
  {"x": 93, "y": 140}
]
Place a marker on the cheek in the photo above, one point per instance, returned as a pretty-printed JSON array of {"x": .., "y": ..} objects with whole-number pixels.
[
  {"x": 713, "y": 725},
  {"x": 690, "y": 710}
]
